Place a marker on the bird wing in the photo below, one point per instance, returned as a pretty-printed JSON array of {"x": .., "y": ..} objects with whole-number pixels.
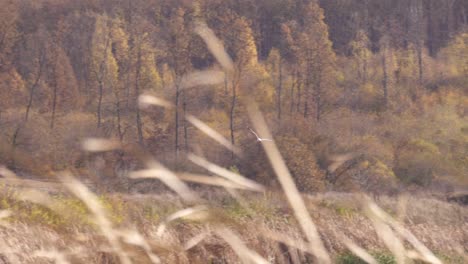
[{"x": 254, "y": 133}]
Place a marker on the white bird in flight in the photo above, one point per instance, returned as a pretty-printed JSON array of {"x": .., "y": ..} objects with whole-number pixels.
[{"x": 259, "y": 139}]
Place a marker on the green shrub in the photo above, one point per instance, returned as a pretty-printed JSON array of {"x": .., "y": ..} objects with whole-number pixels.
[
  {"x": 349, "y": 258},
  {"x": 417, "y": 162},
  {"x": 365, "y": 173},
  {"x": 464, "y": 130},
  {"x": 299, "y": 158}
]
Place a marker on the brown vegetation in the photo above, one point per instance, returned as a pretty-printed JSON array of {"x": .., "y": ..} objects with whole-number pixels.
[{"x": 359, "y": 98}]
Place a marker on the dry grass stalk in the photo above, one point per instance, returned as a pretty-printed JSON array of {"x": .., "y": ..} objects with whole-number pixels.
[
  {"x": 234, "y": 177},
  {"x": 202, "y": 78},
  {"x": 198, "y": 212},
  {"x": 214, "y": 45},
  {"x": 135, "y": 238},
  {"x": 210, "y": 180},
  {"x": 4, "y": 214},
  {"x": 393, "y": 243},
  {"x": 358, "y": 251},
  {"x": 244, "y": 253},
  {"x": 297, "y": 243},
  {"x": 462, "y": 252},
  {"x": 100, "y": 145},
  {"x": 213, "y": 134},
  {"x": 146, "y": 100},
  {"x": 384, "y": 224},
  {"x": 194, "y": 241},
  {"x": 188, "y": 177},
  {"x": 105, "y": 225},
  {"x": 426, "y": 254},
  {"x": 54, "y": 254},
  {"x": 37, "y": 197},
  {"x": 289, "y": 187},
  {"x": 241, "y": 200},
  {"x": 10, "y": 253},
  {"x": 32, "y": 184},
  {"x": 6, "y": 173},
  {"x": 171, "y": 180}
]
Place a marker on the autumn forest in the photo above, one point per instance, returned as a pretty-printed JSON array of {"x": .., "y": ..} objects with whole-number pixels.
[{"x": 359, "y": 95}]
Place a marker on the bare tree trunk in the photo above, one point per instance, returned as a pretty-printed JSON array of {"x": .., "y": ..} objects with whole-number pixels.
[
  {"x": 306, "y": 108},
  {"x": 127, "y": 90},
  {"x": 430, "y": 30},
  {"x": 318, "y": 99},
  {"x": 102, "y": 73},
  {"x": 306, "y": 97},
  {"x": 280, "y": 87},
  {"x": 226, "y": 86},
  {"x": 119, "y": 119},
  {"x": 55, "y": 88},
  {"x": 293, "y": 86},
  {"x": 35, "y": 84},
  {"x": 177, "y": 121},
  {"x": 420, "y": 62},
  {"x": 54, "y": 104},
  {"x": 14, "y": 143},
  {"x": 137, "y": 93},
  {"x": 364, "y": 70},
  {"x": 385, "y": 78},
  {"x": 85, "y": 72},
  {"x": 450, "y": 17},
  {"x": 464, "y": 16},
  {"x": 231, "y": 115},
  {"x": 185, "y": 123},
  {"x": 318, "y": 113},
  {"x": 299, "y": 88},
  {"x": 418, "y": 32},
  {"x": 101, "y": 91},
  {"x": 118, "y": 106},
  {"x": 307, "y": 93}
]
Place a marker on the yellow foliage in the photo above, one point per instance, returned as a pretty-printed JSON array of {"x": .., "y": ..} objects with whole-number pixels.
[
  {"x": 302, "y": 163},
  {"x": 456, "y": 55},
  {"x": 120, "y": 42},
  {"x": 382, "y": 170},
  {"x": 273, "y": 63},
  {"x": 11, "y": 86},
  {"x": 67, "y": 84},
  {"x": 150, "y": 78},
  {"x": 370, "y": 174},
  {"x": 365, "y": 164},
  {"x": 166, "y": 76},
  {"x": 423, "y": 146},
  {"x": 369, "y": 95},
  {"x": 65, "y": 212},
  {"x": 8, "y": 27},
  {"x": 216, "y": 119},
  {"x": 361, "y": 53},
  {"x": 340, "y": 76},
  {"x": 104, "y": 64},
  {"x": 418, "y": 162},
  {"x": 369, "y": 90},
  {"x": 407, "y": 64},
  {"x": 264, "y": 94},
  {"x": 244, "y": 48}
]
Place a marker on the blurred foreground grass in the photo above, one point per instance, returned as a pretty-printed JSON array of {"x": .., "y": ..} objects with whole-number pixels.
[
  {"x": 67, "y": 225},
  {"x": 239, "y": 220}
]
